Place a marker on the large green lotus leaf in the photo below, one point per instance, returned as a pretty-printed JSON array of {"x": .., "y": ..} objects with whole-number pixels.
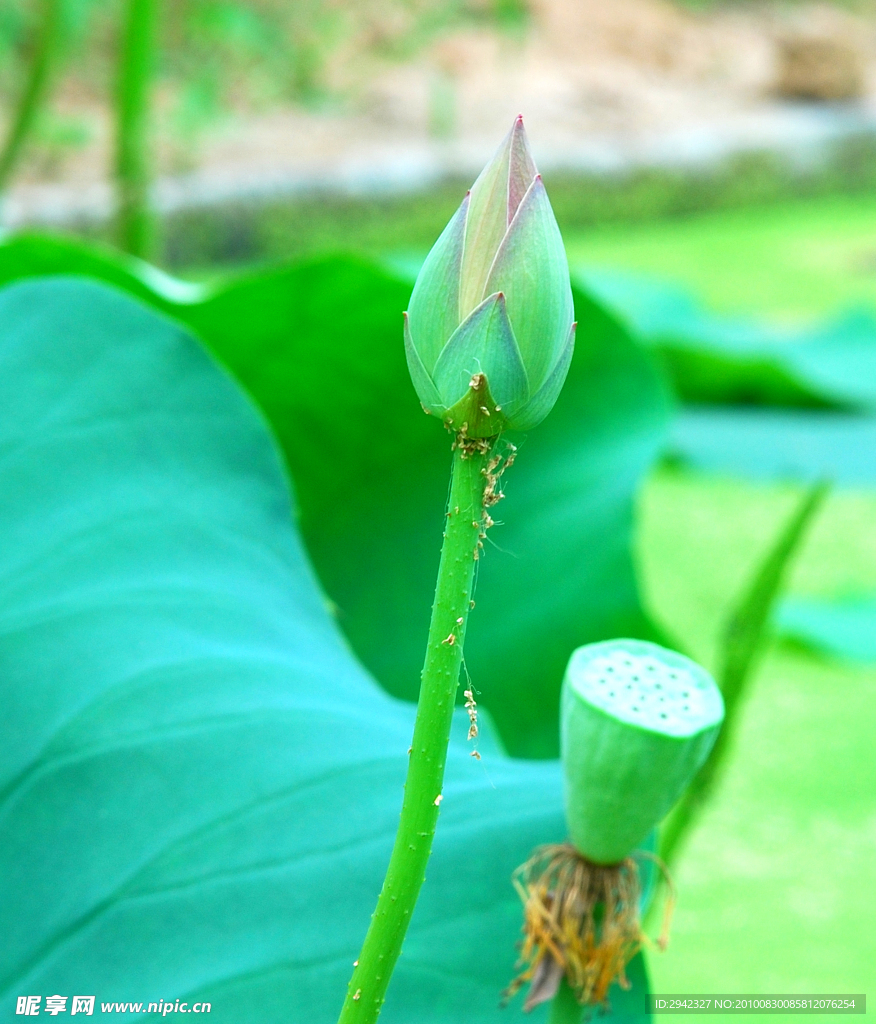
[
  {"x": 199, "y": 782},
  {"x": 715, "y": 358},
  {"x": 319, "y": 346},
  {"x": 844, "y": 627},
  {"x": 759, "y": 443},
  {"x": 38, "y": 255}
]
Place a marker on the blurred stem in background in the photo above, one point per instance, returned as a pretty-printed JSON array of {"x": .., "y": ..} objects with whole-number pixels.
[
  {"x": 743, "y": 640},
  {"x": 511, "y": 13},
  {"x": 134, "y": 226},
  {"x": 47, "y": 45}
]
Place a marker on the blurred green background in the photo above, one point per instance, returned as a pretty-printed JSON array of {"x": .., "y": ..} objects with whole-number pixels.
[{"x": 777, "y": 887}]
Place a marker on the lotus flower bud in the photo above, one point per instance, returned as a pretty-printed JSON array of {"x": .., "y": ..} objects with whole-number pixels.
[{"x": 489, "y": 331}]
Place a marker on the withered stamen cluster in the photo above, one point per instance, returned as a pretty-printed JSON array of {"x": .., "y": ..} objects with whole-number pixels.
[{"x": 581, "y": 920}]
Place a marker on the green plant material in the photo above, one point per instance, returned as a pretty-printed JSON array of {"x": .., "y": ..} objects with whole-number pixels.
[
  {"x": 43, "y": 60},
  {"x": 580, "y": 922},
  {"x": 581, "y": 925},
  {"x": 844, "y": 628},
  {"x": 637, "y": 722},
  {"x": 801, "y": 775},
  {"x": 819, "y": 249},
  {"x": 706, "y": 226},
  {"x": 701, "y": 375},
  {"x": 743, "y": 640},
  {"x": 133, "y": 127},
  {"x": 200, "y": 783},
  {"x": 473, "y": 478},
  {"x": 511, "y": 15},
  {"x": 747, "y": 626},
  {"x": 776, "y": 444},
  {"x": 503, "y": 245},
  {"x": 58, "y": 132},
  {"x": 219, "y": 54},
  {"x": 565, "y": 1008},
  {"x": 560, "y": 572},
  {"x": 716, "y": 358},
  {"x": 493, "y": 302},
  {"x": 37, "y": 255}
]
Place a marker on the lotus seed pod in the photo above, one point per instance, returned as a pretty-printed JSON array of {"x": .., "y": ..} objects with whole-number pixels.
[
  {"x": 637, "y": 722},
  {"x": 489, "y": 332}
]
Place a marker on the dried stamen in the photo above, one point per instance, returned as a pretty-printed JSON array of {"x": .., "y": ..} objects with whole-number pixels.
[{"x": 581, "y": 920}]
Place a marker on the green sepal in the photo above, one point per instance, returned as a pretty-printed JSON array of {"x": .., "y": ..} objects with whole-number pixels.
[
  {"x": 521, "y": 167},
  {"x": 531, "y": 270},
  {"x": 477, "y": 414},
  {"x": 483, "y": 344},
  {"x": 495, "y": 198},
  {"x": 433, "y": 311},
  {"x": 637, "y": 721}
]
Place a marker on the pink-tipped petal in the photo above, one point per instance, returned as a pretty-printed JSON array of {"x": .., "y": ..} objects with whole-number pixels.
[
  {"x": 495, "y": 198},
  {"x": 521, "y": 168},
  {"x": 531, "y": 269}
]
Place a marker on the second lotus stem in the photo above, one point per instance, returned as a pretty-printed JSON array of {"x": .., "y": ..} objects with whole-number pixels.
[
  {"x": 46, "y": 47},
  {"x": 132, "y": 170}
]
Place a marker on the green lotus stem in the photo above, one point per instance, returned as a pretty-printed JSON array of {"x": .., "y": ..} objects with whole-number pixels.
[
  {"x": 743, "y": 640},
  {"x": 422, "y": 795},
  {"x": 44, "y": 58},
  {"x": 136, "y": 58},
  {"x": 489, "y": 336}
]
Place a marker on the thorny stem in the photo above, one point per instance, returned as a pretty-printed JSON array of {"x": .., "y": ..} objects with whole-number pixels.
[{"x": 472, "y": 480}]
